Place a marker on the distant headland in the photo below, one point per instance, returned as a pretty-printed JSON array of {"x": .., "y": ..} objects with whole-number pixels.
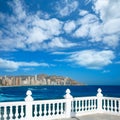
[{"x": 40, "y": 79}]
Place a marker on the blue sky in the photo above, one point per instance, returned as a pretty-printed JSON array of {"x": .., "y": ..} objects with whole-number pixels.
[{"x": 74, "y": 38}]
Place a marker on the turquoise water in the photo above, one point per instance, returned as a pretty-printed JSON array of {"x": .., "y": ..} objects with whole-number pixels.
[{"x": 55, "y": 92}]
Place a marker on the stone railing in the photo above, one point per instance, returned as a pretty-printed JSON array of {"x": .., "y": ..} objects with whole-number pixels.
[{"x": 60, "y": 108}]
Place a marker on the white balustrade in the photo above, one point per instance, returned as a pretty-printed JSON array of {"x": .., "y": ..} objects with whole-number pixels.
[
  {"x": 83, "y": 105},
  {"x": 12, "y": 110},
  {"x": 111, "y": 105},
  {"x": 31, "y": 109}
]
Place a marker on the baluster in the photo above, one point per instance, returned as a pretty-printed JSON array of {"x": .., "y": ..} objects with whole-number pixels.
[
  {"x": 76, "y": 105},
  {"x": 35, "y": 110},
  {"x": 61, "y": 109},
  {"x": 104, "y": 104},
  {"x": 88, "y": 104},
  {"x": 22, "y": 111},
  {"x": 53, "y": 110},
  {"x": 115, "y": 105},
  {"x": 45, "y": 111},
  {"x": 49, "y": 109},
  {"x": 16, "y": 111},
  {"x": 108, "y": 105},
  {"x": 111, "y": 105},
  {"x": 5, "y": 112},
  {"x": 82, "y": 104},
  {"x": 57, "y": 109},
  {"x": 10, "y": 113},
  {"x": 40, "y": 110}
]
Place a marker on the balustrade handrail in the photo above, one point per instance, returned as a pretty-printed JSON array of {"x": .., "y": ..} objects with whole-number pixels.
[
  {"x": 89, "y": 97},
  {"x": 111, "y": 98},
  {"x": 12, "y": 103},
  {"x": 48, "y": 101}
]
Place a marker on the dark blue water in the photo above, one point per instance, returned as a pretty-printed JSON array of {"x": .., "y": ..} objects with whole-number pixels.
[{"x": 54, "y": 92}]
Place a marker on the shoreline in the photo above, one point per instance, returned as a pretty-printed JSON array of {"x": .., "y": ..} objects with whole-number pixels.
[
  {"x": 39, "y": 85},
  {"x": 52, "y": 85}
]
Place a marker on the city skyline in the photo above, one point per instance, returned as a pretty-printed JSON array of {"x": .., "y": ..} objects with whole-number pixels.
[
  {"x": 79, "y": 39},
  {"x": 41, "y": 79}
]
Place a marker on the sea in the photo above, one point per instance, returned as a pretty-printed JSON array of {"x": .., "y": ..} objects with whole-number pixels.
[{"x": 55, "y": 92}]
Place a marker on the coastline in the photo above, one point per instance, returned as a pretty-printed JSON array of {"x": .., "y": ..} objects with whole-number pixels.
[{"x": 40, "y": 85}]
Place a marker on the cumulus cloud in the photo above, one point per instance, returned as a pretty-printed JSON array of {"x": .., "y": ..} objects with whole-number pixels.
[
  {"x": 108, "y": 12},
  {"x": 26, "y": 31},
  {"x": 107, "y": 9},
  {"x": 66, "y": 7},
  {"x": 92, "y": 59},
  {"x": 60, "y": 42},
  {"x": 85, "y": 24},
  {"x": 69, "y": 26},
  {"x": 103, "y": 26},
  {"x": 83, "y": 12},
  {"x": 9, "y": 65}
]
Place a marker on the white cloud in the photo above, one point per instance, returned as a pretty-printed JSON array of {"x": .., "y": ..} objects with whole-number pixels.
[
  {"x": 9, "y": 65},
  {"x": 44, "y": 29},
  {"x": 19, "y": 10},
  {"x": 104, "y": 29},
  {"x": 86, "y": 24},
  {"x": 66, "y": 7},
  {"x": 60, "y": 43},
  {"x": 30, "y": 32},
  {"x": 110, "y": 27},
  {"x": 92, "y": 59},
  {"x": 69, "y": 26},
  {"x": 82, "y": 31},
  {"x": 111, "y": 40},
  {"x": 83, "y": 12},
  {"x": 108, "y": 9}
]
